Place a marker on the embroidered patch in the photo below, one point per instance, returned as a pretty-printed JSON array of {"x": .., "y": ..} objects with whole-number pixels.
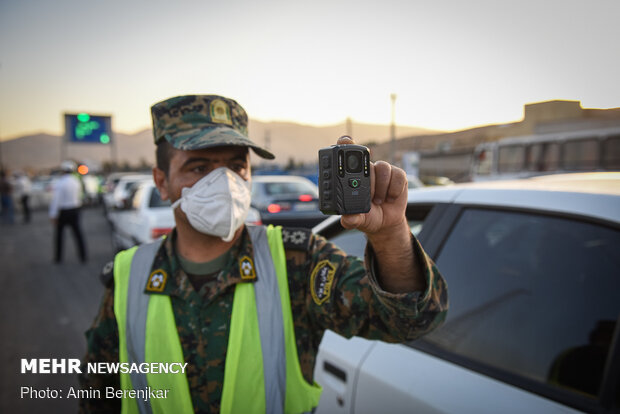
[
  {"x": 296, "y": 238},
  {"x": 246, "y": 268},
  {"x": 321, "y": 281},
  {"x": 157, "y": 281},
  {"x": 220, "y": 112}
]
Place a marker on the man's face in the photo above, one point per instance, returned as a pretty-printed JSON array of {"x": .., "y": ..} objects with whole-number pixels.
[{"x": 187, "y": 167}]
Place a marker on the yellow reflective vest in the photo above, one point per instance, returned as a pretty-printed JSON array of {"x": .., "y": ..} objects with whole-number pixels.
[{"x": 262, "y": 372}]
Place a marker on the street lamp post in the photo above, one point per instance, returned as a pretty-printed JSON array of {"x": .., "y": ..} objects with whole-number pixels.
[{"x": 393, "y": 131}]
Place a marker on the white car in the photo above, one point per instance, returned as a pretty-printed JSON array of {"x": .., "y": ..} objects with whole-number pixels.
[
  {"x": 413, "y": 182},
  {"x": 533, "y": 274},
  {"x": 90, "y": 186},
  {"x": 146, "y": 217},
  {"x": 42, "y": 191},
  {"x": 119, "y": 189}
]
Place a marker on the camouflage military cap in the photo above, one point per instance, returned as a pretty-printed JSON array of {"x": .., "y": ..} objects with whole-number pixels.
[{"x": 202, "y": 121}]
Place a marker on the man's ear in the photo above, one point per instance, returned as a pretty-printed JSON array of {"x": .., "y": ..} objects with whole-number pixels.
[{"x": 161, "y": 182}]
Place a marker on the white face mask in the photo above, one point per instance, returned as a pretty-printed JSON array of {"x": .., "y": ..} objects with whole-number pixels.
[{"x": 217, "y": 204}]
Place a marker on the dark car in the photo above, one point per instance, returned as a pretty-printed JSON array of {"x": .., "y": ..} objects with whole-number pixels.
[{"x": 286, "y": 200}]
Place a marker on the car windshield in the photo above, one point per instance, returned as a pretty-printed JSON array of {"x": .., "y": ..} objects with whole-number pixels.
[{"x": 290, "y": 188}]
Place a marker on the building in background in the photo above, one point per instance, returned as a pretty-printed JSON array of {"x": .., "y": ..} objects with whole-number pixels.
[{"x": 452, "y": 154}]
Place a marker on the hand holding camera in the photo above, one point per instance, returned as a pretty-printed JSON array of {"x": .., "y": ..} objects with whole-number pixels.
[{"x": 372, "y": 197}]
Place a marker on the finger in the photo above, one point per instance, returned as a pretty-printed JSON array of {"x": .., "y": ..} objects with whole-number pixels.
[
  {"x": 398, "y": 184},
  {"x": 372, "y": 180},
  {"x": 344, "y": 140},
  {"x": 351, "y": 221},
  {"x": 382, "y": 181}
]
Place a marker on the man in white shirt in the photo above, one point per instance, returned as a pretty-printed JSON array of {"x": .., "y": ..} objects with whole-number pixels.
[
  {"x": 65, "y": 209},
  {"x": 23, "y": 188}
]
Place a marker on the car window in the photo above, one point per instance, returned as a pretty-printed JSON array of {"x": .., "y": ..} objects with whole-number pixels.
[
  {"x": 135, "y": 197},
  {"x": 611, "y": 153},
  {"x": 511, "y": 158},
  {"x": 353, "y": 242},
  {"x": 484, "y": 162},
  {"x": 581, "y": 155},
  {"x": 544, "y": 156},
  {"x": 125, "y": 185},
  {"x": 290, "y": 187},
  {"x": 156, "y": 201},
  {"x": 535, "y": 296}
]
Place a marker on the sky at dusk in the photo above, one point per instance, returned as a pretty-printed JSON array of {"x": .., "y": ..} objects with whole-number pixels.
[{"x": 453, "y": 64}]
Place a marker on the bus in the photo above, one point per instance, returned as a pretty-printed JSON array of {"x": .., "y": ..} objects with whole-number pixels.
[{"x": 549, "y": 153}]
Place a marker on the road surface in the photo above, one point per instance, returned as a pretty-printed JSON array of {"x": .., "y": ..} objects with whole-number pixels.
[{"x": 46, "y": 307}]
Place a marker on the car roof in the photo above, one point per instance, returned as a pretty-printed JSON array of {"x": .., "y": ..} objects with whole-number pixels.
[
  {"x": 146, "y": 183},
  {"x": 592, "y": 182},
  {"x": 278, "y": 178},
  {"x": 136, "y": 177},
  {"x": 587, "y": 194}
]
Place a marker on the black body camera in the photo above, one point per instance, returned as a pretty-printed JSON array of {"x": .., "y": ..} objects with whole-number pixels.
[{"x": 344, "y": 179}]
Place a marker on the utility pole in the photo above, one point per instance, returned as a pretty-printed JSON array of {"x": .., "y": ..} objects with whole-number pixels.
[
  {"x": 268, "y": 139},
  {"x": 113, "y": 148},
  {"x": 393, "y": 131},
  {"x": 1, "y": 162}
]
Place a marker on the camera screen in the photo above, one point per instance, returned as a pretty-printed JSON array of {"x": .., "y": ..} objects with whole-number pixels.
[{"x": 354, "y": 163}]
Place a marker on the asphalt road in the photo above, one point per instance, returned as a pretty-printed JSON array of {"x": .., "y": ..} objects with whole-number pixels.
[{"x": 46, "y": 307}]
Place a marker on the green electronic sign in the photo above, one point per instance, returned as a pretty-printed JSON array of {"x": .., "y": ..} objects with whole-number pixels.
[{"x": 88, "y": 128}]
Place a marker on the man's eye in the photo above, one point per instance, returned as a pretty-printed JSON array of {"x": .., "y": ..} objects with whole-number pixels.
[{"x": 199, "y": 169}]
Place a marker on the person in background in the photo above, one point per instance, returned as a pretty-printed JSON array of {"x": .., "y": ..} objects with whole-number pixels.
[
  {"x": 65, "y": 210},
  {"x": 23, "y": 188},
  {"x": 6, "y": 193}
]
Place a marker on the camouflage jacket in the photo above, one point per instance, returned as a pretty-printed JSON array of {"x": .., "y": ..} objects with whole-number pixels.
[{"x": 328, "y": 290}]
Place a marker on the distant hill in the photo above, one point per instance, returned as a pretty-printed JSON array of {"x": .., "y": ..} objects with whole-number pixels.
[{"x": 287, "y": 140}]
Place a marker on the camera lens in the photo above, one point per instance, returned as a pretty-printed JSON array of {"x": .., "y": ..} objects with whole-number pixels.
[{"x": 354, "y": 161}]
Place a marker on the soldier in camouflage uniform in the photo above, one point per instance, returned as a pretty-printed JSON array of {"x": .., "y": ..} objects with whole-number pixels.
[{"x": 396, "y": 294}]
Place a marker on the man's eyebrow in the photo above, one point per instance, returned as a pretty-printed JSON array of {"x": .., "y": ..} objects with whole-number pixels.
[
  {"x": 240, "y": 157},
  {"x": 196, "y": 159}
]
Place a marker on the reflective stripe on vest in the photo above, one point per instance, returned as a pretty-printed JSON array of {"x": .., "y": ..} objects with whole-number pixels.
[
  {"x": 147, "y": 333},
  {"x": 262, "y": 371}
]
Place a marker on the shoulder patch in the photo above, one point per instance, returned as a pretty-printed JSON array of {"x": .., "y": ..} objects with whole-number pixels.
[
  {"x": 107, "y": 274},
  {"x": 246, "y": 268},
  {"x": 157, "y": 281},
  {"x": 296, "y": 238},
  {"x": 321, "y": 281}
]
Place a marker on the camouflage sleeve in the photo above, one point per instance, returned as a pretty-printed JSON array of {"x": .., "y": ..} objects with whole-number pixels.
[
  {"x": 420, "y": 312},
  {"x": 102, "y": 346},
  {"x": 345, "y": 296}
]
